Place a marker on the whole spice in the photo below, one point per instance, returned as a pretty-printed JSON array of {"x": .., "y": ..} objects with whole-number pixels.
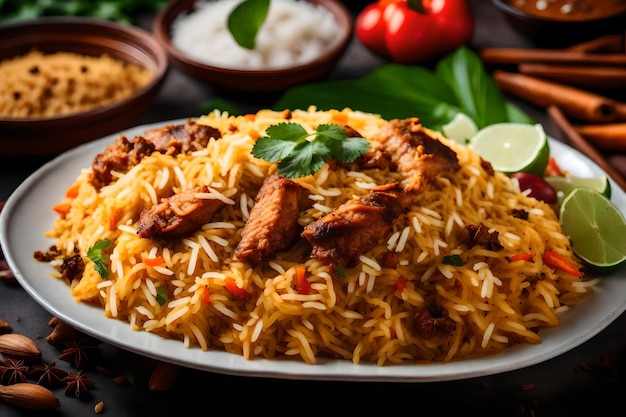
[
  {"x": 78, "y": 384},
  {"x": 48, "y": 374},
  {"x": 16, "y": 345},
  {"x": 164, "y": 376},
  {"x": 78, "y": 351},
  {"x": 29, "y": 395},
  {"x": 13, "y": 371}
]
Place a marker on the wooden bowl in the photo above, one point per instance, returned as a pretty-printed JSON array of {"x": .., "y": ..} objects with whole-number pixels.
[
  {"x": 87, "y": 36},
  {"x": 243, "y": 80}
]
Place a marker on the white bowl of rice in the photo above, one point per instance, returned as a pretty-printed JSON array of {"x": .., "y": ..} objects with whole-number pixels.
[{"x": 300, "y": 41}]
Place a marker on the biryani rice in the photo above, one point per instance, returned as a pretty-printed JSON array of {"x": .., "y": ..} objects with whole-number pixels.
[
  {"x": 366, "y": 316},
  {"x": 40, "y": 85}
]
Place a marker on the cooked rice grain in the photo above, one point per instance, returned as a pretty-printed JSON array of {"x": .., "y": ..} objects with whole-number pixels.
[{"x": 491, "y": 302}]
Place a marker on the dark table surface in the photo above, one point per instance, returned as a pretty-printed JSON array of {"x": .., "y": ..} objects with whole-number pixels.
[{"x": 587, "y": 379}]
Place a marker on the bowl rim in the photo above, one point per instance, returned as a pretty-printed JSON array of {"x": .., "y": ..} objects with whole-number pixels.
[
  {"x": 60, "y": 24},
  {"x": 160, "y": 29},
  {"x": 505, "y": 6}
]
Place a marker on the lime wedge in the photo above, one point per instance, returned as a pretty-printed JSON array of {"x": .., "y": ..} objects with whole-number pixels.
[
  {"x": 565, "y": 185},
  {"x": 513, "y": 147},
  {"x": 460, "y": 129},
  {"x": 596, "y": 228}
]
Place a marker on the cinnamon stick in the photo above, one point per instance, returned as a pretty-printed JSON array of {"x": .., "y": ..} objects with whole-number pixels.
[
  {"x": 584, "y": 76},
  {"x": 604, "y": 43},
  {"x": 562, "y": 56},
  {"x": 578, "y": 142},
  {"x": 608, "y": 136},
  {"x": 574, "y": 102}
]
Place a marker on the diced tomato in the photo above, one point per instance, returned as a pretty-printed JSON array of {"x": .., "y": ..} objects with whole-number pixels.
[
  {"x": 522, "y": 257},
  {"x": 553, "y": 169},
  {"x": 303, "y": 286},
  {"x": 231, "y": 286},
  {"x": 157, "y": 261},
  {"x": 400, "y": 284},
  {"x": 556, "y": 261}
]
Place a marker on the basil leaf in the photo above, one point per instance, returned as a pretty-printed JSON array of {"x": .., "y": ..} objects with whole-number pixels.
[{"x": 245, "y": 20}]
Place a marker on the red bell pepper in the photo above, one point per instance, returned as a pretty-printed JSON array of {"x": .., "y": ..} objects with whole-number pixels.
[{"x": 412, "y": 31}]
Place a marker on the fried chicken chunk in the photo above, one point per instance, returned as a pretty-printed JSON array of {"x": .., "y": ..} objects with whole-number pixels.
[
  {"x": 273, "y": 224},
  {"x": 178, "y": 215},
  {"x": 356, "y": 226}
]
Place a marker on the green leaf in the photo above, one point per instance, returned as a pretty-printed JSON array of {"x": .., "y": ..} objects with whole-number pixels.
[
  {"x": 94, "y": 253},
  {"x": 246, "y": 19},
  {"x": 459, "y": 83},
  {"x": 454, "y": 260},
  {"x": 161, "y": 296},
  {"x": 300, "y": 153}
]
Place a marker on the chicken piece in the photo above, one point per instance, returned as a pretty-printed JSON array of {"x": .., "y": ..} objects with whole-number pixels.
[
  {"x": 356, "y": 226},
  {"x": 182, "y": 138},
  {"x": 120, "y": 156},
  {"x": 123, "y": 154},
  {"x": 273, "y": 224},
  {"x": 179, "y": 215},
  {"x": 416, "y": 154}
]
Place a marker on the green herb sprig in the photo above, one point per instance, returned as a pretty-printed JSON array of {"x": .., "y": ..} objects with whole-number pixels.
[
  {"x": 245, "y": 20},
  {"x": 94, "y": 253},
  {"x": 300, "y": 153}
]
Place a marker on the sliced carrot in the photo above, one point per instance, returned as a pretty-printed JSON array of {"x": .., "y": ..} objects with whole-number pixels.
[
  {"x": 62, "y": 208},
  {"x": 206, "y": 296},
  {"x": 156, "y": 261},
  {"x": 72, "y": 191},
  {"x": 303, "y": 285},
  {"x": 231, "y": 286}
]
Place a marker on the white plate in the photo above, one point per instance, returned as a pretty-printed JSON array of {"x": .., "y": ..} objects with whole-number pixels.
[{"x": 28, "y": 214}]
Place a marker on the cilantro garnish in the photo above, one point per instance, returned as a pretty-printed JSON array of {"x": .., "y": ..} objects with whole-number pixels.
[
  {"x": 95, "y": 254},
  {"x": 454, "y": 260},
  {"x": 161, "y": 296},
  {"x": 300, "y": 153}
]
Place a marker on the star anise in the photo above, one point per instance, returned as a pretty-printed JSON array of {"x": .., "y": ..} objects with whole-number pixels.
[
  {"x": 49, "y": 375},
  {"x": 78, "y": 384},
  {"x": 13, "y": 371},
  {"x": 78, "y": 350}
]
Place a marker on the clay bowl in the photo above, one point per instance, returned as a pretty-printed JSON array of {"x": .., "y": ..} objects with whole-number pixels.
[
  {"x": 87, "y": 36},
  {"x": 254, "y": 80}
]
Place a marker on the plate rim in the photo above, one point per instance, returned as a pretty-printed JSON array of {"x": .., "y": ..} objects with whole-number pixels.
[{"x": 118, "y": 333}]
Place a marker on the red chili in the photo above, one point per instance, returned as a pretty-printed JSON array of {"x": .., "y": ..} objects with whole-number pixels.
[
  {"x": 553, "y": 169},
  {"x": 556, "y": 261},
  {"x": 231, "y": 286},
  {"x": 412, "y": 31}
]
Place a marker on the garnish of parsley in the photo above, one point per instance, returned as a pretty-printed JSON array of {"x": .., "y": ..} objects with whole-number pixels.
[
  {"x": 300, "y": 153},
  {"x": 95, "y": 254}
]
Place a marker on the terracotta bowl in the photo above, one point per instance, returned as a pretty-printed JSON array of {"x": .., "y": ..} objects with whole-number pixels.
[
  {"x": 273, "y": 80},
  {"x": 557, "y": 32},
  {"x": 53, "y": 135}
]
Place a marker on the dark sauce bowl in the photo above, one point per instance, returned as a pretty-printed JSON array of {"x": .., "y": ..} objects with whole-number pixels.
[{"x": 553, "y": 32}]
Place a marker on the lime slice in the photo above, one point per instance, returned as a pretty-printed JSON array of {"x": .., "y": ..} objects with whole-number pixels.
[
  {"x": 596, "y": 229},
  {"x": 565, "y": 185},
  {"x": 460, "y": 129},
  {"x": 513, "y": 147}
]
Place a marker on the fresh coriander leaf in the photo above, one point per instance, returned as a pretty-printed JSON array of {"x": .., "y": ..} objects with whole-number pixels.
[
  {"x": 454, "y": 260},
  {"x": 94, "y": 253},
  {"x": 300, "y": 153},
  {"x": 161, "y": 296},
  {"x": 245, "y": 20}
]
